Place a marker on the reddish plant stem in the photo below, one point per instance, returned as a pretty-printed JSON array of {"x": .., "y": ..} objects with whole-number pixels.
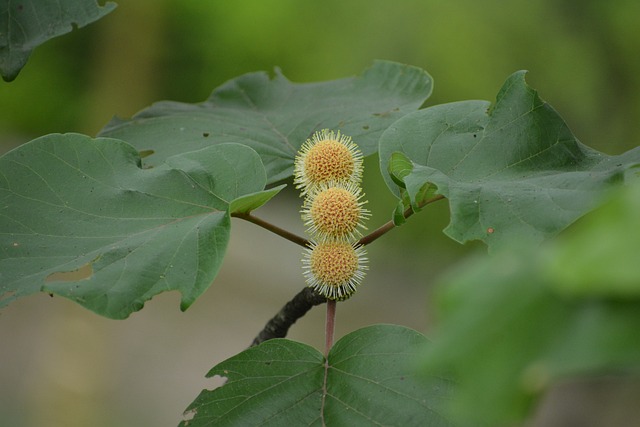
[
  {"x": 329, "y": 326},
  {"x": 273, "y": 228},
  {"x": 301, "y": 241}
]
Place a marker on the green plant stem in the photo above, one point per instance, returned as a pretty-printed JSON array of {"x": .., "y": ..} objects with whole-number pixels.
[
  {"x": 273, "y": 228},
  {"x": 382, "y": 230}
]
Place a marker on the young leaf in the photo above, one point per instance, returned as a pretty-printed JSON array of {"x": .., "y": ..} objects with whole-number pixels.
[
  {"x": 275, "y": 116},
  {"x": 512, "y": 325},
  {"x": 246, "y": 204},
  {"x": 81, "y": 219},
  {"x": 514, "y": 171},
  {"x": 399, "y": 167},
  {"x": 398, "y": 212},
  {"x": 27, "y": 24},
  {"x": 368, "y": 381}
]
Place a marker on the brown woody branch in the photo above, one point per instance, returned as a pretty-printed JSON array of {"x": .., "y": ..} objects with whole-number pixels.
[
  {"x": 307, "y": 298},
  {"x": 279, "y": 325}
]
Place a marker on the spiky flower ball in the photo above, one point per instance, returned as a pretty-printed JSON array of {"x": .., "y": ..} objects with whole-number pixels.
[
  {"x": 335, "y": 212},
  {"x": 328, "y": 170},
  {"x": 327, "y": 157},
  {"x": 334, "y": 269}
]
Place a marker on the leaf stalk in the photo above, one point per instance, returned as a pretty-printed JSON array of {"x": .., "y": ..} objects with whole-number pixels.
[
  {"x": 385, "y": 228},
  {"x": 292, "y": 237}
]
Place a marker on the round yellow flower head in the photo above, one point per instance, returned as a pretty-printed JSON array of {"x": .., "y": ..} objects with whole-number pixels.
[
  {"x": 334, "y": 269},
  {"x": 327, "y": 157},
  {"x": 334, "y": 212}
]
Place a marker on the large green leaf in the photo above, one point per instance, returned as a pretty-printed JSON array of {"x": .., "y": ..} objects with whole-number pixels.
[
  {"x": 275, "y": 116},
  {"x": 513, "y": 171},
  {"x": 69, "y": 203},
  {"x": 26, "y": 24},
  {"x": 369, "y": 381},
  {"x": 512, "y": 325}
]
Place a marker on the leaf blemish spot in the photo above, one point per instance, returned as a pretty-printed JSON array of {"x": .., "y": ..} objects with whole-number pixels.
[
  {"x": 82, "y": 273},
  {"x": 190, "y": 414},
  {"x": 490, "y": 230}
]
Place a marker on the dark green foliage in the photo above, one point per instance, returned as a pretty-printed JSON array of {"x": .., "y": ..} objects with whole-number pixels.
[
  {"x": 71, "y": 202},
  {"x": 370, "y": 381},
  {"x": 275, "y": 116},
  {"x": 26, "y": 24},
  {"x": 514, "y": 324},
  {"x": 111, "y": 222},
  {"x": 510, "y": 172}
]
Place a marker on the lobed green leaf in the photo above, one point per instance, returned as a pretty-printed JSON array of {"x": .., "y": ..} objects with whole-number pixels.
[
  {"x": 81, "y": 219},
  {"x": 510, "y": 172},
  {"x": 275, "y": 116},
  {"x": 369, "y": 381}
]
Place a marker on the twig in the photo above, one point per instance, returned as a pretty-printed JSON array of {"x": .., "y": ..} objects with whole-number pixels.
[
  {"x": 273, "y": 228},
  {"x": 382, "y": 230},
  {"x": 307, "y": 298},
  {"x": 279, "y": 325}
]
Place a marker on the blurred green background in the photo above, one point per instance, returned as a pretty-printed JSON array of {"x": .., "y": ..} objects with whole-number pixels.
[{"x": 63, "y": 366}]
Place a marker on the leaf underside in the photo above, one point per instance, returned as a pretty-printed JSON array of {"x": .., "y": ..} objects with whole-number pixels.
[
  {"x": 81, "y": 219},
  {"x": 369, "y": 382},
  {"x": 512, "y": 171},
  {"x": 275, "y": 116},
  {"x": 26, "y": 24}
]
